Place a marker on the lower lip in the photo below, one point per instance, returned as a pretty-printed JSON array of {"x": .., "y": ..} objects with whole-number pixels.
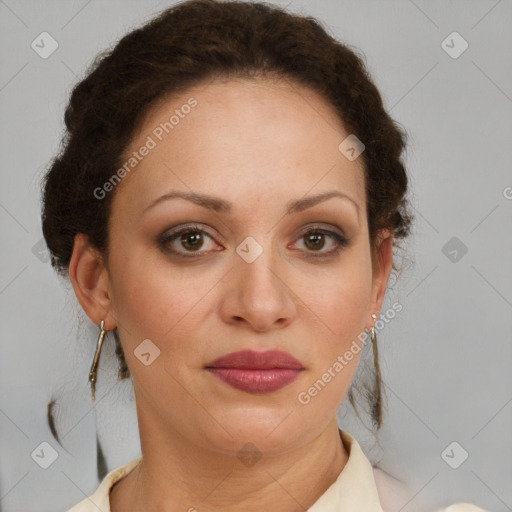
[{"x": 256, "y": 381}]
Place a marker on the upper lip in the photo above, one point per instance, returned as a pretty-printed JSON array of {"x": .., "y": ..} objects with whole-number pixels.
[{"x": 253, "y": 360}]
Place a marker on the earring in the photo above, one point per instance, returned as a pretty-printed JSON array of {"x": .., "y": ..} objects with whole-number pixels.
[
  {"x": 372, "y": 330},
  {"x": 96, "y": 360}
]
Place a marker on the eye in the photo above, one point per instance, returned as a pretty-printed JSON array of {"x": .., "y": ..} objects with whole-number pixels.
[
  {"x": 315, "y": 241},
  {"x": 185, "y": 241},
  {"x": 189, "y": 241}
]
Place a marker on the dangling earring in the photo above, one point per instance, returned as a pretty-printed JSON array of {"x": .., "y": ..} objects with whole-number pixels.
[
  {"x": 96, "y": 360},
  {"x": 372, "y": 331},
  {"x": 377, "y": 393}
]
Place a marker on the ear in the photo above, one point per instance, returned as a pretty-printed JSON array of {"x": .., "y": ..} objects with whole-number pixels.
[
  {"x": 382, "y": 265},
  {"x": 91, "y": 283}
]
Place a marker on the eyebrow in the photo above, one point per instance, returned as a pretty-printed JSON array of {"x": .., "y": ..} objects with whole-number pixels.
[{"x": 220, "y": 205}]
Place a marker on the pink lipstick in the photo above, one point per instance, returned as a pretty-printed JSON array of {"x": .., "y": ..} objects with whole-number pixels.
[{"x": 256, "y": 372}]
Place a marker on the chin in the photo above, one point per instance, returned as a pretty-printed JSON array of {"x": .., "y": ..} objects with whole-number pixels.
[{"x": 269, "y": 430}]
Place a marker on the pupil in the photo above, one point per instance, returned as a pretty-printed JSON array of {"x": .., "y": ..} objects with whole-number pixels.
[
  {"x": 195, "y": 237},
  {"x": 316, "y": 239}
]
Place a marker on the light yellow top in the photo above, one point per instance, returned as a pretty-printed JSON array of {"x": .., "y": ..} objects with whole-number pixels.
[{"x": 359, "y": 487}]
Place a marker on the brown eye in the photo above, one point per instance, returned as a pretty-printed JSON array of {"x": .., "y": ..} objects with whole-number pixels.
[
  {"x": 314, "y": 240},
  {"x": 186, "y": 241},
  {"x": 191, "y": 240}
]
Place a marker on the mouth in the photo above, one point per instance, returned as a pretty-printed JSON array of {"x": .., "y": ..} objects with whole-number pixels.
[{"x": 256, "y": 372}]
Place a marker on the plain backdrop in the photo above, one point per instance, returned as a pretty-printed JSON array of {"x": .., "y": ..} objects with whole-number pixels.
[{"x": 446, "y": 356}]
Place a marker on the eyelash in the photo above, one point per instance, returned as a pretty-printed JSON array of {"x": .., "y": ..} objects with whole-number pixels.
[{"x": 166, "y": 239}]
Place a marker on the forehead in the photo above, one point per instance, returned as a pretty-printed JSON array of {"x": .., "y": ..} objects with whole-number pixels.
[{"x": 240, "y": 138}]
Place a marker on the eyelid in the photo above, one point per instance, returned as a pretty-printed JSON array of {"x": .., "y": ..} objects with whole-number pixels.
[
  {"x": 320, "y": 226},
  {"x": 193, "y": 226}
]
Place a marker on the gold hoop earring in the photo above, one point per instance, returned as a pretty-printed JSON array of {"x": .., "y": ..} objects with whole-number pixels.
[{"x": 96, "y": 360}]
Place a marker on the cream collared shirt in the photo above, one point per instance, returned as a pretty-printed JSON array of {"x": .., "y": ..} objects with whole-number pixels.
[{"x": 359, "y": 488}]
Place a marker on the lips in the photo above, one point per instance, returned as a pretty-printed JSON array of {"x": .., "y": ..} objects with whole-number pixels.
[
  {"x": 256, "y": 372},
  {"x": 252, "y": 360}
]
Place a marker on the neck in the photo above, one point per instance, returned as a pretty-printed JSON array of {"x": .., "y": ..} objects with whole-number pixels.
[{"x": 176, "y": 474}]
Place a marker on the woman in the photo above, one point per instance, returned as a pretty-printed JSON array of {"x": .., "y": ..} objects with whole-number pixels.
[{"x": 227, "y": 202}]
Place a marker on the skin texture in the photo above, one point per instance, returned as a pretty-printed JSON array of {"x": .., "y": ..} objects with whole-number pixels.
[{"x": 257, "y": 144}]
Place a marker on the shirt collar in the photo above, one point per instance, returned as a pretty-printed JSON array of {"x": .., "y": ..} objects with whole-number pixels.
[{"x": 355, "y": 488}]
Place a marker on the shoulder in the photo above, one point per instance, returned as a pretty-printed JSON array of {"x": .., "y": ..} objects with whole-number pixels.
[
  {"x": 462, "y": 507},
  {"x": 394, "y": 495},
  {"x": 100, "y": 499}
]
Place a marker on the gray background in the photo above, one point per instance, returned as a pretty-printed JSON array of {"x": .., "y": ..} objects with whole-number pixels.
[{"x": 445, "y": 357}]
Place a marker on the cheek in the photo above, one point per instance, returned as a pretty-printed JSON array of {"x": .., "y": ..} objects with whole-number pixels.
[
  {"x": 155, "y": 304},
  {"x": 341, "y": 297},
  {"x": 342, "y": 307},
  {"x": 149, "y": 300},
  {"x": 341, "y": 301}
]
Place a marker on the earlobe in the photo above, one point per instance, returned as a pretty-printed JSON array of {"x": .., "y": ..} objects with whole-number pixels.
[
  {"x": 90, "y": 281},
  {"x": 382, "y": 266}
]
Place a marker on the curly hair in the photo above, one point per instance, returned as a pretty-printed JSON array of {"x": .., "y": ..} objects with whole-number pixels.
[{"x": 188, "y": 44}]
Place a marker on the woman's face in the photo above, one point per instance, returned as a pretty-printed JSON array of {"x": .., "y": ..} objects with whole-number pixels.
[{"x": 264, "y": 152}]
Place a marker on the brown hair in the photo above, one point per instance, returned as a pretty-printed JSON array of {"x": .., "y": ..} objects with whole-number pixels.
[{"x": 187, "y": 44}]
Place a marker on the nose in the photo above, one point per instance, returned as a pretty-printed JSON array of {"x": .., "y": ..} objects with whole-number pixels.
[{"x": 258, "y": 296}]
